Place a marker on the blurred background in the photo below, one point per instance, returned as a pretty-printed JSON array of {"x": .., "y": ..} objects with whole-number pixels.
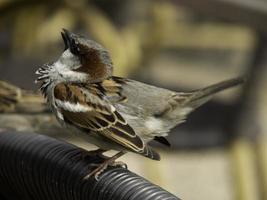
[{"x": 221, "y": 152}]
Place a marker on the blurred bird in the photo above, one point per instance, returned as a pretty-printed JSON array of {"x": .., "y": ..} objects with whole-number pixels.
[
  {"x": 9, "y": 96},
  {"x": 113, "y": 112}
]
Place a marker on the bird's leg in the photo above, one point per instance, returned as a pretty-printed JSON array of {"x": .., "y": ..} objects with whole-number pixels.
[
  {"x": 98, "y": 152},
  {"x": 108, "y": 162}
]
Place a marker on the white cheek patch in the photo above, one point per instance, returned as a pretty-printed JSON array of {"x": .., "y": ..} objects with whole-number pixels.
[
  {"x": 72, "y": 106},
  {"x": 63, "y": 70},
  {"x": 68, "y": 59}
]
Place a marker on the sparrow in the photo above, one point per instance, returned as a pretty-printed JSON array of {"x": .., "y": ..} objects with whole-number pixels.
[{"x": 114, "y": 113}]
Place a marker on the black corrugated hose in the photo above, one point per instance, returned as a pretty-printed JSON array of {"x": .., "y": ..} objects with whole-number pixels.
[{"x": 37, "y": 167}]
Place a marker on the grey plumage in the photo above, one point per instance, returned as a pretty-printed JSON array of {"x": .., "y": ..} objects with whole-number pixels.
[
  {"x": 113, "y": 112},
  {"x": 153, "y": 111}
]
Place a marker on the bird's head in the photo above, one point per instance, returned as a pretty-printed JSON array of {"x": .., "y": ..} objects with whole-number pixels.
[{"x": 82, "y": 61}]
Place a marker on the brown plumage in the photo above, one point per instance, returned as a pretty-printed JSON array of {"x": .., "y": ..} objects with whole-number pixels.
[
  {"x": 95, "y": 60},
  {"x": 100, "y": 117},
  {"x": 113, "y": 112}
]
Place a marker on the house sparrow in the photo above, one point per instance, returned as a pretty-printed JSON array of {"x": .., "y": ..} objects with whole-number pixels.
[{"x": 113, "y": 112}]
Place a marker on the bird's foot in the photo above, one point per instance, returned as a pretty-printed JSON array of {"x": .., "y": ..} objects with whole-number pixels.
[{"x": 103, "y": 166}]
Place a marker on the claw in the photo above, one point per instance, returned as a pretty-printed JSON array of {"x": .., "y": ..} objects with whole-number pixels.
[
  {"x": 96, "y": 172},
  {"x": 103, "y": 166}
]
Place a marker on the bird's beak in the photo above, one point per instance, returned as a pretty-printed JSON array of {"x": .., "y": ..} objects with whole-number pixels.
[{"x": 66, "y": 36}]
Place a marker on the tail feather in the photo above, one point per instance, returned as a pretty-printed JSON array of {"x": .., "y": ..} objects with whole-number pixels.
[{"x": 199, "y": 97}]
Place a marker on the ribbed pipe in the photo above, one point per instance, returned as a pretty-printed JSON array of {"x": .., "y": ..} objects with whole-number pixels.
[{"x": 36, "y": 167}]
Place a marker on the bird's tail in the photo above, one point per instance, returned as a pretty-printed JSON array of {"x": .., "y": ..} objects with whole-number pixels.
[{"x": 198, "y": 97}]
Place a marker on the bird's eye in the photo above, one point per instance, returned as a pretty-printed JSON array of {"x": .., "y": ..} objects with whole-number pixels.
[{"x": 74, "y": 47}]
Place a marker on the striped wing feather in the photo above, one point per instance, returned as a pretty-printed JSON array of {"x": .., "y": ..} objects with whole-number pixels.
[{"x": 100, "y": 117}]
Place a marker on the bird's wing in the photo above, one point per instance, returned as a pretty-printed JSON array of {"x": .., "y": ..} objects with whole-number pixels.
[
  {"x": 162, "y": 102},
  {"x": 86, "y": 108},
  {"x": 140, "y": 98}
]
